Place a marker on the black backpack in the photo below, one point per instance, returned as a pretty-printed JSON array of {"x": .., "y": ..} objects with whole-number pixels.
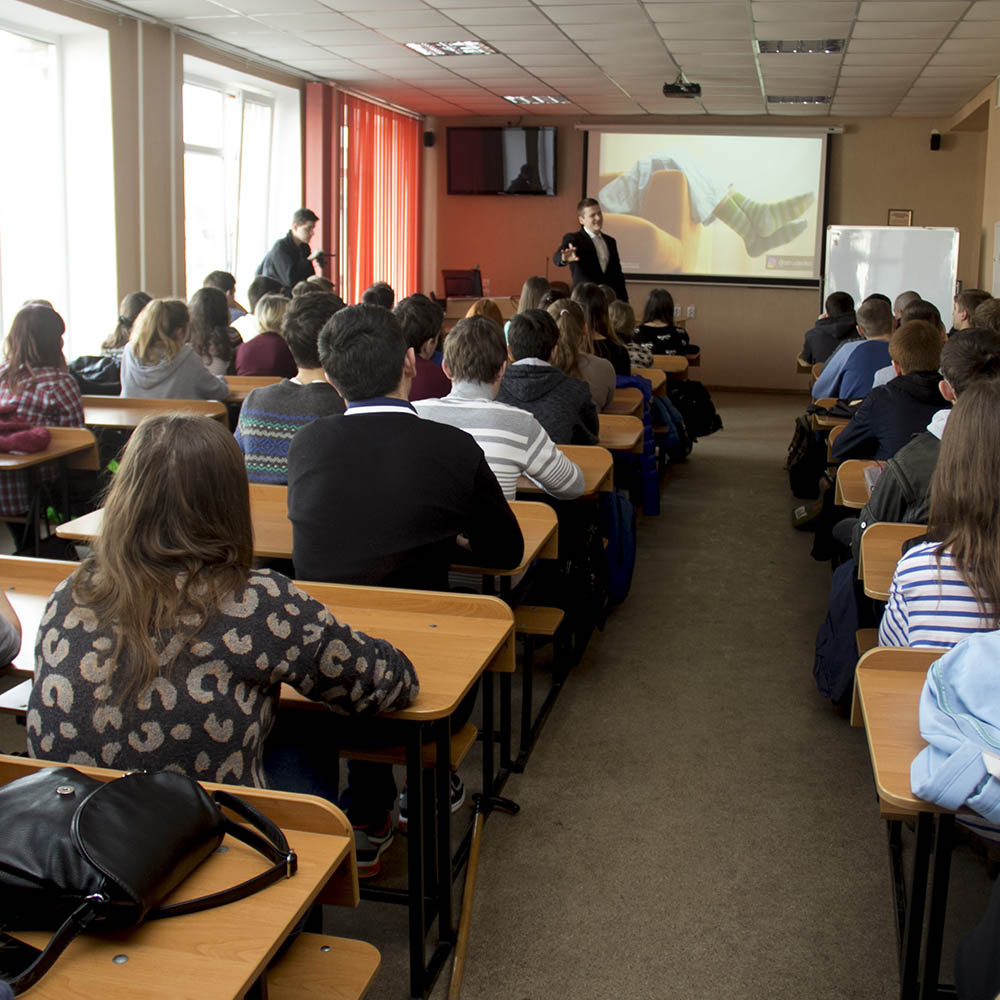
[
  {"x": 696, "y": 406},
  {"x": 97, "y": 375}
]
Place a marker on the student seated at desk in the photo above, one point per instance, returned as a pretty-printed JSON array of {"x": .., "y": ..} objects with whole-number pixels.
[
  {"x": 575, "y": 353},
  {"x": 209, "y": 332},
  {"x": 267, "y": 353},
  {"x": 158, "y": 363},
  {"x": 513, "y": 441},
  {"x": 34, "y": 379},
  {"x": 605, "y": 341},
  {"x": 166, "y": 648},
  {"x": 850, "y": 372},
  {"x": 246, "y": 325},
  {"x": 128, "y": 312},
  {"x": 271, "y": 414},
  {"x": 891, "y": 414},
  {"x": 945, "y": 590},
  {"x": 561, "y": 403},
  {"x": 10, "y": 631},
  {"x": 420, "y": 320},
  {"x": 926, "y": 312},
  {"x": 657, "y": 330},
  {"x": 837, "y": 325},
  {"x": 378, "y": 496}
]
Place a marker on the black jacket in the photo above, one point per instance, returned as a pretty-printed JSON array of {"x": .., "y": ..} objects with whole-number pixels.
[
  {"x": 664, "y": 339},
  {"x": 287, "y": 261},
  {"x": 889, "y": 416},
  {"x": 561, "y": 404},
  {"x": 827, "y": 335},
  {"x": 379, "y": 498},
  {"x": 588, "y": 267}
]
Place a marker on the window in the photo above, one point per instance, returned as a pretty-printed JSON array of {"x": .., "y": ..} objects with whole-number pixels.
[
  {"x": 379, "y": 198},
  {"x": 227, "y": 163}
]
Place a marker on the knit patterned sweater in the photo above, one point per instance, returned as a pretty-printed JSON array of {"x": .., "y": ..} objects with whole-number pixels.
[
  {"x": 269, "y": 419},
  {"x": 209, "y": 714}
]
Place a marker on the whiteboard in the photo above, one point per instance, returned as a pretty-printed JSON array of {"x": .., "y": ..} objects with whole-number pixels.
[{"x": 893, "y": 259}]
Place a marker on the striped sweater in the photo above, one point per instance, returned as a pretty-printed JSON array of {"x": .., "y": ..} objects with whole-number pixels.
[
  {"x": 930, "y": 606},
  {"x": 512, "y": 440},
  {"x": 269, "y": 419}
]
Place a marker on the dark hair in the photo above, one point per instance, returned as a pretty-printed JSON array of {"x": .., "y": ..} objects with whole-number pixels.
[
  {"x": 970, "y": 299},
  {"x": 208, "y": 324},
  {"x": 128, "y": 310},
  {"x": 586, "y": 203},
  {"x": 880, "y": 296},
  {"x": 379, "y": 294},
  {"x": 303, "y": 215},
  {"x": 838, "y": 303},
  {"x": 222, "y": 280},
  {"x": 659, "y": 307},
  {"x": 474, "y": 350},
  {"x": 987, "y": 315},
  {"x": 419, "y": 318},
  {"x": 532, "y": 334},
  {"x": 304, "y": 318},
  {"x": 874, "y": 316},
  {"x": 362, "y": 349},
  {"x": 531, "y": 293},
  {"x": 610, "y": 295},
  {"x": 34, "y": 341},
  {"x": 921, "y": 309},
  {"x": 552, "y": 295},
  {"x": 916, "y": 346},
  {"x": 970, "y": 355},
  {"x": 260, "y": 286}
]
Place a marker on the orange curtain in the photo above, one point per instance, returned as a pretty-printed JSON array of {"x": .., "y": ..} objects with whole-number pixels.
[{"x": 380, "y": 199}]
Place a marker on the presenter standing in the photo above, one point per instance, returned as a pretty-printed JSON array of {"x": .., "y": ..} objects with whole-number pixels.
[
  {"x": 289, "y": 260},
  {"x": 590, "y": 253}
]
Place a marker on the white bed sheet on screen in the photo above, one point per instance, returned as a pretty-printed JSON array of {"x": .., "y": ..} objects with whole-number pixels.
[{"x": 764, "y": 168}]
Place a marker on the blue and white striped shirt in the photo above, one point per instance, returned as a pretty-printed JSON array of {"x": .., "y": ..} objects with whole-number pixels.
[{"x": 930, "y": 605}]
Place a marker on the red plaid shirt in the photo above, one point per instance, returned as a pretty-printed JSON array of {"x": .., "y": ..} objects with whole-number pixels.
[{"x": 48, "y": 397}]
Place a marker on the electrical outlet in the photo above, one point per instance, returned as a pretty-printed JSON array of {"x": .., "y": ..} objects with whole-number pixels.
[
  {"x": 677, "y": 312},
  {"x": 690, "y": 312}
]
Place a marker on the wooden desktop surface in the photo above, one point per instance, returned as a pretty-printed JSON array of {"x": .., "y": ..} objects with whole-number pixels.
[
  {"x": 620, "y": 433},
  {"x": 595, "y": 462},
  {"x": 75, "y": 444},
  {"x": 218, "y": 953},
  {"x": 889, "y": 696},
  {"x": 272, "y": 531},
  {"x": 852, "y": 490},
  {"x": 672, "y": 364},
  {"x": 656, "y": 377},
  {"x": 881, "y": 547},
  {"x": 627, "y": 401},
  {"x": 241, "y": 385},
  {"x": 125, "y": 412}
]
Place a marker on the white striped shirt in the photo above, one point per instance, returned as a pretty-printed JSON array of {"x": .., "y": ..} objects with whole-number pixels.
[
  {"x": 930, "y": 605},
  {"x": 513, "y": 441}
]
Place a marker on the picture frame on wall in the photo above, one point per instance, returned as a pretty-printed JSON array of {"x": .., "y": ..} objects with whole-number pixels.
[{"x": 900, "y": 217}]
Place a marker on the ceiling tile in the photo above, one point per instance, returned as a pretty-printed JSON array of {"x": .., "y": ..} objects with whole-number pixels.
[
  {"x": 476, "y": 16},
  {"x": 977, "y": 29},
  {"x": 699, "y": 12},
  {"x": 907, "y": 29},
  {"x": 968, "y": 45},
  {"x": 984, "y": 10},
  {"x": 885, "y": 59},
  {"x": 402, "y": 18},
  {"x": 584, "y": 32},
  {"x": 455, "y": 33},
  {"x": 596, "y": 14},
  {"x": 777, "y": 30},
  {"x": 682, "y": 30},
  {"x": 500, "y": 33},
  {"x": 842, "y": 11},
  {"x": 910, "y": 10},
  {"x": 528, "y": 47},
  {"x": 270, "y": 6},
  {"x": 877, "y": 45}
]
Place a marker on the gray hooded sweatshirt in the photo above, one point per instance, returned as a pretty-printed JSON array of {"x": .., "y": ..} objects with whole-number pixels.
[{"x": 183, "y": 377}]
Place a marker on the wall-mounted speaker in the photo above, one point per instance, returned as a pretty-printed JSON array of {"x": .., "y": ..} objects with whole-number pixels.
[
  {"x": 429, "y": 139},
  {"x": 935, "y": 140}
]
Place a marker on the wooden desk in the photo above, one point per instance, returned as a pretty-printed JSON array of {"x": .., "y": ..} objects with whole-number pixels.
[
  {"x": 852, "y": 490},
  {"x": 240, "y": 385},
  {"x": 126, "y": 412},
  {"x": 620, "y": 433},
  {"x": 540, "y": 530},
  {"x": 656, "y": 377},
  {"x": 228, "y": 947},
  {"x": 672, "y": 364},
  {"x": 802, "y": 367},
  {"x": 888, "y": 683},
  {"x": 627, "y": 402},
  {"x": 881, "y": 547},
  {"x": 595, "y": 462}
]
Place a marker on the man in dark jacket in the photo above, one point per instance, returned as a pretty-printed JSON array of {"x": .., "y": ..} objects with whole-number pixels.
[
  {"x": 891, "y": 414},
  {"x": 561, "y": 404},
  {"x": 834, "y": 327},
  {"x": 590, "y": 253},
  {"x": 289, "y": 260}
]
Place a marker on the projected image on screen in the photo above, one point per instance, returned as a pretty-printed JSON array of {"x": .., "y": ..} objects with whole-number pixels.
[{"x": 717, "y": 206}]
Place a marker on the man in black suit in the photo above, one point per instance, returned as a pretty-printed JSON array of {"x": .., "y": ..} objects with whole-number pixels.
[{"x": 592, "y": 255}]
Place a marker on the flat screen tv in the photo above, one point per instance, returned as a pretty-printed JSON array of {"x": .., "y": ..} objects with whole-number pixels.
[{"x": 502, "y": 160}]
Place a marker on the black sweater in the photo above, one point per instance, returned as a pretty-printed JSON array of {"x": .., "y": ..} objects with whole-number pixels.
[{"x": 379, "y": 498}]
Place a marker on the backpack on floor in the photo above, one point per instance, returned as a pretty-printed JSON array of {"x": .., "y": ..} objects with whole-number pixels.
[
  {"x": 806, "y": 460},
  {"x": 836, "y": 641},
  {"x": 669, "y": 423},
  {"x": 618, "y": 526},
  {"x": 696, "y": 406}
]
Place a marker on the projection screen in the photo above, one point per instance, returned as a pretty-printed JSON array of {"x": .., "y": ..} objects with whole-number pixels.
[{"x": 744, "y": 206}]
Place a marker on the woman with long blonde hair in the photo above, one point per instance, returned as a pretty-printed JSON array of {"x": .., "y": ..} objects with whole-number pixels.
[{"x": 158, "y": 363}]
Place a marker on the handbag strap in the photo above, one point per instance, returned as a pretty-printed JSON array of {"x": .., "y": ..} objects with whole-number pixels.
[
  {"x": 74, "y": 924},
  {"x": 267, "y": 839}
]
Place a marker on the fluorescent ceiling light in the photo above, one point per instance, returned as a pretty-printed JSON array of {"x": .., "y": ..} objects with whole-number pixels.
[
  {"x": 820, "y": 46},
  {"x": 546, "y": 99},
  {"x": 797, "y": 100},
  {"x": 467, "y": 48}
]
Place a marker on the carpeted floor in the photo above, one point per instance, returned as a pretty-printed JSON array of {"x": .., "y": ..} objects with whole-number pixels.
[{"x": 695, "y": 822}]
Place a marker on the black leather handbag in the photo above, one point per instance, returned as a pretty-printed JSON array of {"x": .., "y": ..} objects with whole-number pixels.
[{"x": 77, "y": 852}]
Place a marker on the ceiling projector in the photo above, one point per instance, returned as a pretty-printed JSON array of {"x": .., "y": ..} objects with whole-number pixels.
[{"x": 681, "y": 88}]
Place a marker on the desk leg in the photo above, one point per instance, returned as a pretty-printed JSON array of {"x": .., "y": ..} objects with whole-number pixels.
[
  {"x": 487, "y": 724},
  {"x": 914, "y": 929},
  {"x": 505, "y": 722},
  {"x": 446, "y": 930},
  {"x": 898, "y": 880},
  {"x": 415, "y": 857},
  {"x": 938, "y": 906}
]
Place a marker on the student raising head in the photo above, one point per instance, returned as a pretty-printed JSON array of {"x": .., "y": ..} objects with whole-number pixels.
[{"x": 166, "y": 648}]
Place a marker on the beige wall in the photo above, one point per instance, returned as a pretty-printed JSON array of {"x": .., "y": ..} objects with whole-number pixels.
[{"x": 750, "y": 336}]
